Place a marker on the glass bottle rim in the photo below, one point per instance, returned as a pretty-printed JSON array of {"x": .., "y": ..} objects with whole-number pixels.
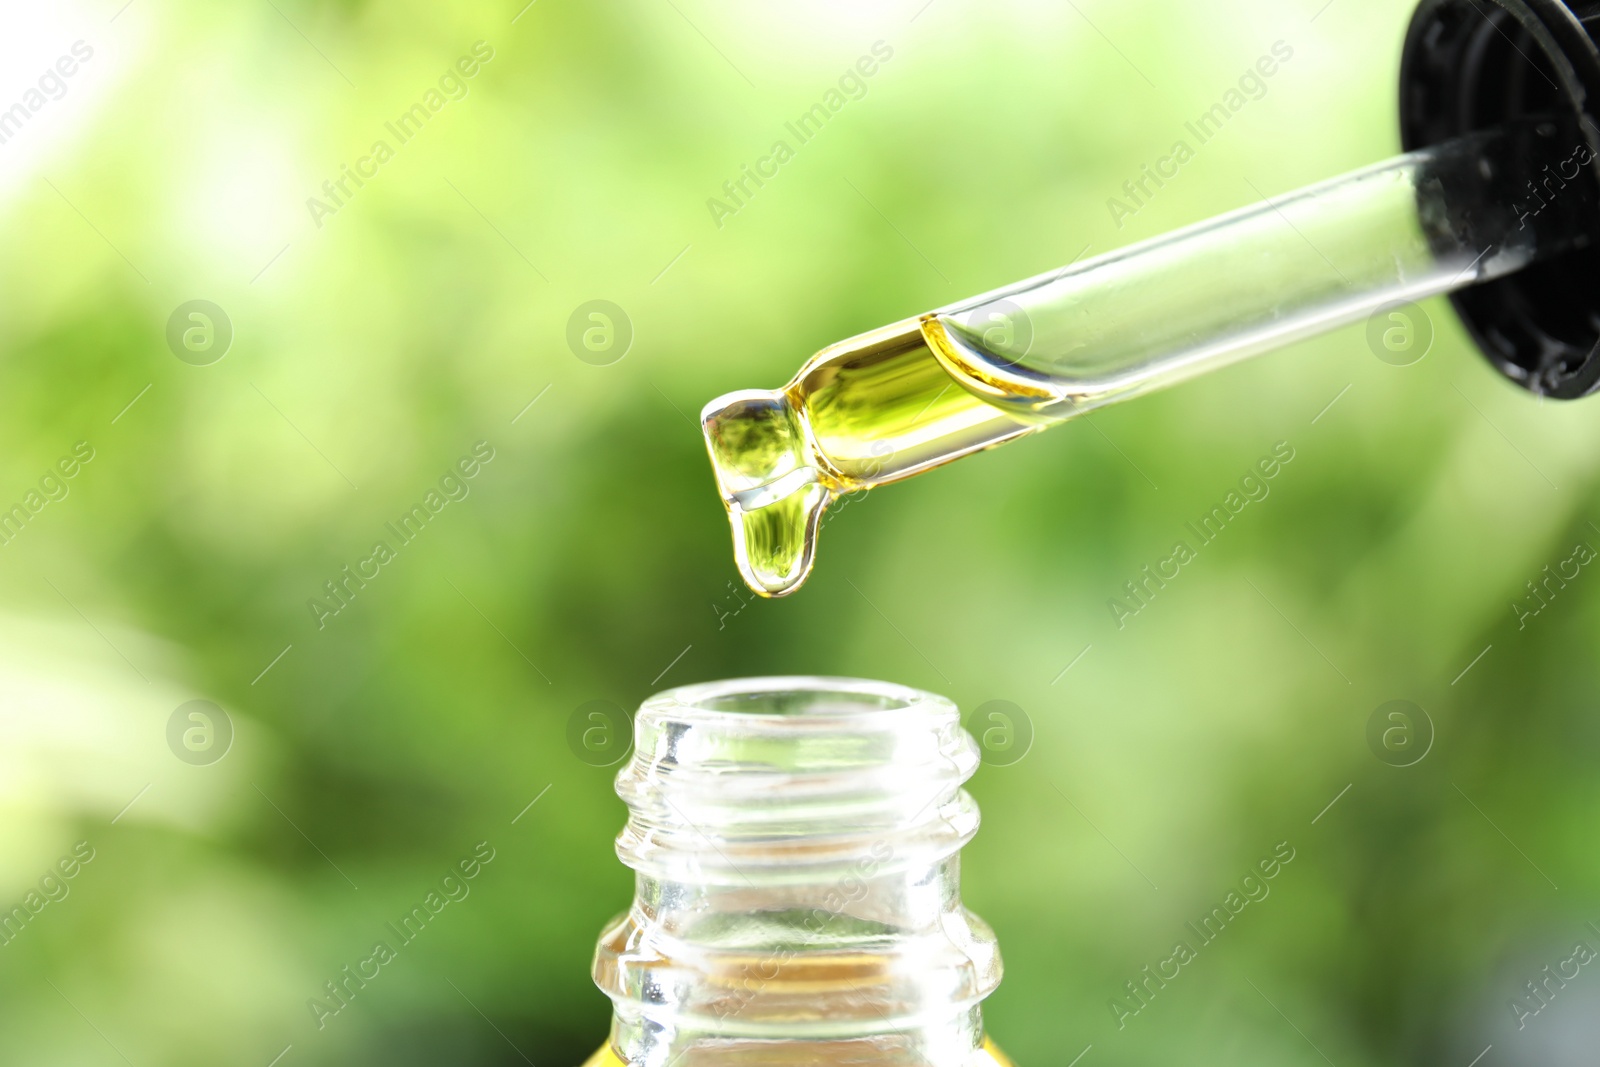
[{"x": 798, "y": 702}]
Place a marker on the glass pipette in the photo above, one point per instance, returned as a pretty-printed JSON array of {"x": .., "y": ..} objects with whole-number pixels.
[{"x": 902, "y": 399}]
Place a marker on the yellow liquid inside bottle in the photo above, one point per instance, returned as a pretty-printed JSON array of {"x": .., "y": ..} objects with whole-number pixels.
[{"x": 988, "y": 1056}]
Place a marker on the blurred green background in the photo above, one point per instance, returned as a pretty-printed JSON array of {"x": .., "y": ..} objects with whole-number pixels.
[{"x": 590, "y": 559}]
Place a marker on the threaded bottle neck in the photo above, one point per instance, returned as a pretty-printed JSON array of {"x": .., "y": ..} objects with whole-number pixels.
[{"x": 795, "y": 843}]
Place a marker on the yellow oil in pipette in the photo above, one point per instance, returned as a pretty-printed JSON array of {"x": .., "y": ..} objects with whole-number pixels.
[{"x": 874, "y": 409}]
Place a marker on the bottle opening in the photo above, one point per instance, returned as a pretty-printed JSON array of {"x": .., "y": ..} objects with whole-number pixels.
[
  {"x": 802, "y": 697},
  {"x": 830, "y": 753}
]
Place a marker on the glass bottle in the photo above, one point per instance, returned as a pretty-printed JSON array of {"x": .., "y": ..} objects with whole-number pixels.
[{"x": 796, "y": 843}]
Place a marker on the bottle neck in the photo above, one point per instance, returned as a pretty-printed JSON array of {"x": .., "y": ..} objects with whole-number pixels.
[{"x": 796, "y": 848}]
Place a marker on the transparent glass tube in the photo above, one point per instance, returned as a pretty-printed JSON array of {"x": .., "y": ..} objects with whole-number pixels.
[
  {"x": 1145, "y": 317},
  {"x": 796, "y": 848},
  {"x": 905, "y": 398}
]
